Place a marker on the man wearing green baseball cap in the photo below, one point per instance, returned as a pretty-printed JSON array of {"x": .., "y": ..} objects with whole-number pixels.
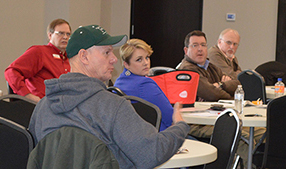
[{"x": 80, "y": 99}]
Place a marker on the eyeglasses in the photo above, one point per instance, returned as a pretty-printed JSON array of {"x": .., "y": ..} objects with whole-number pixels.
[
  {"x": 62, "y": 33},
  {"x": 196, "y": 45},
  {"x": 230, "y": 43}
]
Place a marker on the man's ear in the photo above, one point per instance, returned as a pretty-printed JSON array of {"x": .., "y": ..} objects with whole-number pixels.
[
  {"x": 50, "y": 35},
  {"x": 83, "y": 56},
  {"x": 185, "y": 50},
  {"x": 219, "y": 41}
]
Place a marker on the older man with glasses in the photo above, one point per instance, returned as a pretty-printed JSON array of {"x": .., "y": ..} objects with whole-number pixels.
[
  {"x": 223, "y": 53},
  {"x": 26, "y": 74}
]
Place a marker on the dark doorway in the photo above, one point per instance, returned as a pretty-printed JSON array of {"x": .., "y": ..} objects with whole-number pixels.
[
  {"x": 163, "y": 24},
  {"x": 281, "y": 32}
]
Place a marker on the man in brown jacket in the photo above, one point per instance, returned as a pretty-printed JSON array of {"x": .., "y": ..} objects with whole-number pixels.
[
  {"x": 223, "y": 54},
  {"x": 213, "y": 83}
]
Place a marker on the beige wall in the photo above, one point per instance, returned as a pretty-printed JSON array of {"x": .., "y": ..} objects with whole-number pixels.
[
  {"x": 24, "y": 24},
  {"x": 115, "y": 17},
  {"x": 256, "y": 22}
]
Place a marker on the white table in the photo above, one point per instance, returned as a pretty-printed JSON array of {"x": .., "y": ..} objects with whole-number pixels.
[
  {"x": 251, "y": 122},
  {"x": 198, "y": 153},
  {"x": 270, "y": 93}
]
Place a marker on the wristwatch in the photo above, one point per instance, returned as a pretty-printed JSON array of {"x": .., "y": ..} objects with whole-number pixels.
[{"x": 220, "y": 84}]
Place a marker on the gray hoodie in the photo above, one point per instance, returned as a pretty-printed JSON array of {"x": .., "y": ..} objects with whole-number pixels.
[{"x": 81, "y": 101}]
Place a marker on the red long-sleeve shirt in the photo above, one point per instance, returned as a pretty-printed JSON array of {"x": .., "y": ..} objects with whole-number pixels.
[{"x": 27, "y": 73}]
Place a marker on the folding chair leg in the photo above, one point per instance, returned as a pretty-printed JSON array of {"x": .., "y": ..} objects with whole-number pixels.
[{"x": 237, "y": 161}]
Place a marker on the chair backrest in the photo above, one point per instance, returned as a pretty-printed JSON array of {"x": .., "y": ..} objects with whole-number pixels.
[
  {"x": 116, "y": 90},
  {"x": 10, "y": 90},
  {"x": 158, "y": 70},
  {"x": 253, "y": 85},
  {"x": 179, "y": 86},
  {"x": 271, "y": 71},
  {"x": 71, "y": 147},
  {"x": 274, "y": 152},
  {"x": 148, "y": 111},
  {"x": 225, "y": 137},
  {"x": 16, "y": 143},
  {"x": 19, "y": 110}
]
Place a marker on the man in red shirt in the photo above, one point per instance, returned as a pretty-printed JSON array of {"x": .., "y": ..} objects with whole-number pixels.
[{"x": 26, "y": 74}]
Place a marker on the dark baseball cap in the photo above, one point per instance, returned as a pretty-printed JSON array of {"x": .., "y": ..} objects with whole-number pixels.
[{"x": 88, "y": 36}]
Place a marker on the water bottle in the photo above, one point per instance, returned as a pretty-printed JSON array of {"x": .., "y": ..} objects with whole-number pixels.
[
  {"x": 239, "y": 99},
  {"x": 279, "y": 88}
]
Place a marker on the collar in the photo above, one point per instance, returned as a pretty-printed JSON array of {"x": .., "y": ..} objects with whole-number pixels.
[
  {"x": 205, "y": 66},
  {"x": 127, "y": 72},
  {"x": 63, "y": 56}
]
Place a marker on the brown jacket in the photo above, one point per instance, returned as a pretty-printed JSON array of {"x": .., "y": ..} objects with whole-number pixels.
[
  {"x": 230, "y": 68},
  {"x": 213, "y": 74}
]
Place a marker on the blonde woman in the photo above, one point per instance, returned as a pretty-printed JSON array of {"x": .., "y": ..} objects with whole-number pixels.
[{"x": 135, "y": 54}]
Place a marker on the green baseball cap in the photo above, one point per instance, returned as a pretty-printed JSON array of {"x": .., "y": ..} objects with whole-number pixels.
[{"x": 88, "y": 36}]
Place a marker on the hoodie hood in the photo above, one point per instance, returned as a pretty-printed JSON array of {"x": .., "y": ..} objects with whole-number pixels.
[{"x": 70, "y": 90}]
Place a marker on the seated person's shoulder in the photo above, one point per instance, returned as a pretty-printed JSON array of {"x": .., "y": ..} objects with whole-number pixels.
[
  {"x": 214, "y": 53},
  {"x": 148, "y": 80},
  {"x": 147, "y": 83},
  {"x": 185, "y": 65},
  {"x": 39, "y": 47},
  {"x": 212, "y": 49}
]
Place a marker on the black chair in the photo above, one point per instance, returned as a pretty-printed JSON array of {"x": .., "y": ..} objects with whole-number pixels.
[
  {"x": 148, "y": 111},
  {"x": 71, "y": 147},
  {"x": 253, "y": 85},
  {"x": 158, "y": 70},
  {"x": 225, "y": 137},
  {"x": 10, "y": 90},
  {"x": 274, "y": 153},
  {"x": 271, "y": 71},
  {"x": 116, "y": 90},
  {"x": 16, "y": 143},
  {"x": 19, "y": 110}
]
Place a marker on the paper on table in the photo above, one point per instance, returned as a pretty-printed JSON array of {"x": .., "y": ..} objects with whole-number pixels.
[
  {"x": 226, "y": 101},
  {"x": 206, "y": 114},
  {"x": 228, "y": 105},
  {"x": 193, "y": 110},
  {"x": 199, "y": 111},
  {"x": 245, "y": 103}
]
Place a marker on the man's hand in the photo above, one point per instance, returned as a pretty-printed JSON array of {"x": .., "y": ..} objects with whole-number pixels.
[
  {"x": 177, "y": 113},
  {"x": 200, "y": 99},
  {"x": 216, "y": 85},
  {"x": 33, "y": 97},
  {"x": 225, "y": 78}
]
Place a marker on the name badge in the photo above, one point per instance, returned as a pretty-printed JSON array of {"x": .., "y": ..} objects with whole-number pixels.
[{"x": 56, "y": 56}]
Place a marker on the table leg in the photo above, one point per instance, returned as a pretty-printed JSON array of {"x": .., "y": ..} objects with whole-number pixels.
[{"x": 250, "y": 147}]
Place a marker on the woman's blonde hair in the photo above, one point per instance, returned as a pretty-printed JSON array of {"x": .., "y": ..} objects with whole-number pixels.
[{"x": 129, "y": 47}]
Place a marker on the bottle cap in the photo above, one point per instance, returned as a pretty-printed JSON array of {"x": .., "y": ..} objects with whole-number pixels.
[
  {"x": 279, "y": 79},
  {"x": 239, "y": 85}
]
